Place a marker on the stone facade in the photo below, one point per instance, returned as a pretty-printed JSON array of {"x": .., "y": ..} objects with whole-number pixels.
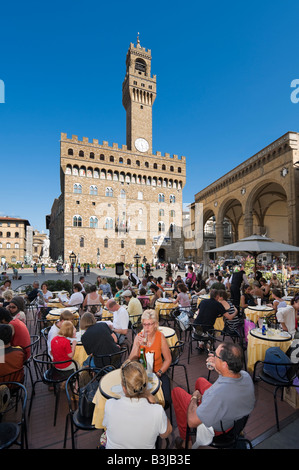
[
  {"x": 12, "y": 239},
  {"x": 117, "y": 201},
  {"x": 258, "y": 196}
]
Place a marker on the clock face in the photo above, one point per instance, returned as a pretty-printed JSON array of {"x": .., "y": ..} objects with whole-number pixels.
[{"x": 141, "y": 144}]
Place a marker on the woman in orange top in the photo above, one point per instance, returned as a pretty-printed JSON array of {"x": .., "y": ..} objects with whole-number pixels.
[{"x": 152, "y": 340}]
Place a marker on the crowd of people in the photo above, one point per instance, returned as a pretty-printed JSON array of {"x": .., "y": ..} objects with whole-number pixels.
[{"x": 212, "y": 408}]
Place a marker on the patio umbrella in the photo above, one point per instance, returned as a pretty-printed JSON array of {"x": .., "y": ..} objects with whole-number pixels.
[{"x": 255, "y": 245}]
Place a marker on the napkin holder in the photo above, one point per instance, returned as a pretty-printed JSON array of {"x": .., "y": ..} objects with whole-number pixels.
[{"x": 150, "y": 362}]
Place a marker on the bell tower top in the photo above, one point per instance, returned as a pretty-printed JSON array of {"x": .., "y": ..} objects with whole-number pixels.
[{"x": 139, "y": 93}]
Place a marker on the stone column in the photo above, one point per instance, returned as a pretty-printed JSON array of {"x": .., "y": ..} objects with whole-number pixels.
[{"x": 248, "y": 224}]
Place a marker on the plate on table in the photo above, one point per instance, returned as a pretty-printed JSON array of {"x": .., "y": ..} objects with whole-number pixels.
[
  {"x": 58, "y": 311},
  {"x": 285, "y": 334},
  {"x": 165, "y": 301}
]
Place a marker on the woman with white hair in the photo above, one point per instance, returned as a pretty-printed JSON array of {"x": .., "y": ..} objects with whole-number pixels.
[{"x": 138, "y": 407}]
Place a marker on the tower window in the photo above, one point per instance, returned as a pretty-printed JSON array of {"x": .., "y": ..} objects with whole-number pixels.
[
  {"x": 106, "y": 242},
  {"x": 179, "y": 169},
  {"x": 140, "y": 65},
  {"x": 155, "y": 166},
  {"x": 81, "y": 242},
  {"x": 137, "y": 162},
  {"x": 102, "y": 157},
  {"x": 81, "y": 153},
  {"x": 171, "y": 168},
  {"x": 91, "y": 155},
  {"x": 163, "y": 167},
  {"x": 146, "y": 165},
  {"x": 70, "y": 152},
  {"x": 111, "y": 158},
  {"x": 77, "y": 221}
]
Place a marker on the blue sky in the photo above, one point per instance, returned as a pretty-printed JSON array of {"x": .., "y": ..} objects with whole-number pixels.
[{"x": 224, "y": 73}]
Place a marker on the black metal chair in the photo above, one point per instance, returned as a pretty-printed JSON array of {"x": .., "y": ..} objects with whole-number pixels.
[
  {"x": 114, "y": 359},
  {"x": 285, "y": 372},
  {"x": 44, "y": 335},
  {"x": 47, "y": 373},
  {"x": 13, "y": 431},
  {"x": 34, "y": 342},
  {"x": 229, "y": 439},
  {"x": 176, "y": 352},
  {"x": 197, "y": 334},
  {"x": 75, "y": 385}
]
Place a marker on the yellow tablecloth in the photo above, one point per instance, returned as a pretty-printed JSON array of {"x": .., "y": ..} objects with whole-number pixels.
[
  {"x": 257, "y": 347},
  {"x": 99, "y": 400},
  {"x": 80, "y": 355},
  {"x": 170, "y": 335},
  {"x": 202, "y": 297},
  {"x": 163, "y": 308},
  {"x": 254, "y": 313},
  {"x": 168, "y": 291}
]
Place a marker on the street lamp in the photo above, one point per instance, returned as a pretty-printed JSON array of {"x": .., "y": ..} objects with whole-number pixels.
[
  {"x": 137, "y": 257},
  {"x": 72, "y": 261}
]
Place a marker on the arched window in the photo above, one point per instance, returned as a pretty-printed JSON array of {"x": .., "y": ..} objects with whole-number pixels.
[
  {"x": 161, "y": 197},
  {"x": 161, "y": 212},
  {"x": 121, "y": 160},
  {"x": 7, "y": 245},
  {"x": 70, "y": 152},
  {"x": 17, "y": 245},
  {"x": 93, "y": 190},
  {"x": 106, "y": 242},
  {"x": 172, "y": 213},
  {"x": 140, "y": 65},
  {"x": 77, "y": 188},
  {"x": 171, "y": 168},
  {"x": 163, "y": 167},
  {"x": 102, "y": 157},
  {"x": 172, "y": 199},
  {"x": 128, "y": 161},
  {"x": 8, "y": 234},
  {"x": 155, "y": 166},
  {"x": 108, "y": 223},
  {"x": 179, "y": 169},
  {"x": 77, "y": 221},
  {"x": 17, "y": 234},
  {"x": 109, "y": 192},
  {"x": 161, "y": 227},
  {"x": 81, "y": 242},
  {"x": 111, "y": 158},
  {"x": 122, "y": 244},
  {"x": 146, "y": 165},
  {"x": 91, "y": 155},
  {"x": 137, "y": 162},
  {"x": 81, "y": 153},
  {"x": 123, "y": 194},
  {"x": 93, "y": 222}
]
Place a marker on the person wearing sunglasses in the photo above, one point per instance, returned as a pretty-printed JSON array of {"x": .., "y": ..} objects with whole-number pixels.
[{"x": 213, "y": 408}]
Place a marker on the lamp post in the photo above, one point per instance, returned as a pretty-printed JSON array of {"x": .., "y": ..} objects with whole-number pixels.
[
  {"x": 137, "y": 257},
  {"x": 72, "y": 261}
]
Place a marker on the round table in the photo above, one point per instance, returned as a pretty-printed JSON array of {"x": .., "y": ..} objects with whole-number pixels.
[
  {"x": 163, "y": 306},
  {"x": 168, "y": 291},
  {"x": 202, "y": 297},
  {"x": 253, "y": 313},
  {"x": 259, "y": 343},
  {"x": 110, "y": 387}
]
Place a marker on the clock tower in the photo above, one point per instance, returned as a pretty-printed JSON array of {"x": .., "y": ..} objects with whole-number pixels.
[{"x": 139, "y": 93}]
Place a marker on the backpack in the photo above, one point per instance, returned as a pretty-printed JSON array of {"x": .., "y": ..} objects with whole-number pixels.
[
  {"x": 279, "y": 372},
  {"x": 184, "y": 321}
]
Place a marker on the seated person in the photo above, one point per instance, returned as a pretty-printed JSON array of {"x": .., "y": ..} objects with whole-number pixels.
[
  {"x": 62, "y": 348},
  {"x": 120, "y": 324},
  {"x": 134, "y": 305},
  {"x": 230, "y": 398},
  {"x": 158, "y": 294},
  {"x": 33, "y": 293},
  {"x": 277, "y": 302},
  {"x": 13, "y": 358},
  {"x": 139, "y": 407},
  {"x": 209, "y": 310},
  {"x": 286, "y": 316},
  {"x": 55, "y": 328},
  {"x": 247, "y": 298},
  {"x": 265, "y": 287},
  {"x": 231, "y": 316},
  {"x": 152, "y": 340},
  {"x": 97, "y": 339},
  {"x": 182, "y": 298},
  {"x": 76, "y": 298},
  {"x": 143, "y": 298},
  {"x": 8, "y": 294},
  {"x": 93, "y": 301},
  {"x": 16, "y": 307},
  {"x": 20, "y": 336},
  {"x": 105, "y": 288},
  {"x": 119, "y": 289}
]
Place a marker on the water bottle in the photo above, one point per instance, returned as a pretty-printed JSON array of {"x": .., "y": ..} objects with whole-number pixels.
[
  {"x": 142, "y": 358},
  {"x": 264, "y": 327}
]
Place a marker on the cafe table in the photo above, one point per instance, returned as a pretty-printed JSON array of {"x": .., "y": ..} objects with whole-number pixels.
[
  {"x": 55, "y": 313},
  {"x": 293, "y": 290},
  {"x": 259, "y": 343},
  {"x": 110, "y": 387},
  {"x": 170, "y": 335},
  {"x": 163, "y": 306},
  {"x": 168, "y": 291},
  {"x": 253, "y": 313},
  {"x": 80, "y": 354},
  {"x": 202, "y": 297}
]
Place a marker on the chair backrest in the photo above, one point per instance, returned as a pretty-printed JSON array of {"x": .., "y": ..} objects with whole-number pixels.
[
  {"x": 34, "y": 340},
  {"x": 11, "y": 393},
  {"x": 115, "y": 359},
  {"x": 15, "y": 376},
  {"x": 94, "y": 308},
  {"x": 176, "y": 352},
  {"x": 43, "y": 362},
  {"x": 144, "y": 302}
]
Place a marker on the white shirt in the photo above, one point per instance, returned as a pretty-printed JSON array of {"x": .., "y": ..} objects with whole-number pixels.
[
  {"x": 287, "y": 315},
  {"x": 76, "y": 299},
  {"x": 147, "y": 422},
  {"x": 121, "y": 319}
]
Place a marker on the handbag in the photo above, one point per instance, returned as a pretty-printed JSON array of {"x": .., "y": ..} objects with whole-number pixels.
[
  {"x": 184, "y": 321},
  {"x": 86, "y": 395},
  {"x": 279, "y": 372}
]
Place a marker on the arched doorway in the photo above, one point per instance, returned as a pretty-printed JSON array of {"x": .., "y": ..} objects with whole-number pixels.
[{"x": 161, "y": 255}]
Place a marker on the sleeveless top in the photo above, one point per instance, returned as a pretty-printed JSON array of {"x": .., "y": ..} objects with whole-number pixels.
[{"x": 156, "y": 349}]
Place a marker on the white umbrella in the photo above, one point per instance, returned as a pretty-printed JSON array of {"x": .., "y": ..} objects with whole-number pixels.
[{"x": 255, "y": 245}]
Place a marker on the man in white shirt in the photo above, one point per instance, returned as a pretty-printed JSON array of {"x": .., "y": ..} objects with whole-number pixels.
[
  {"x": 286, "y": 317},
  {"x": 120, "y": 322}
]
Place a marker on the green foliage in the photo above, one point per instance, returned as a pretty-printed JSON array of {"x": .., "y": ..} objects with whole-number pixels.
[{"x": 59, "y": 285}]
